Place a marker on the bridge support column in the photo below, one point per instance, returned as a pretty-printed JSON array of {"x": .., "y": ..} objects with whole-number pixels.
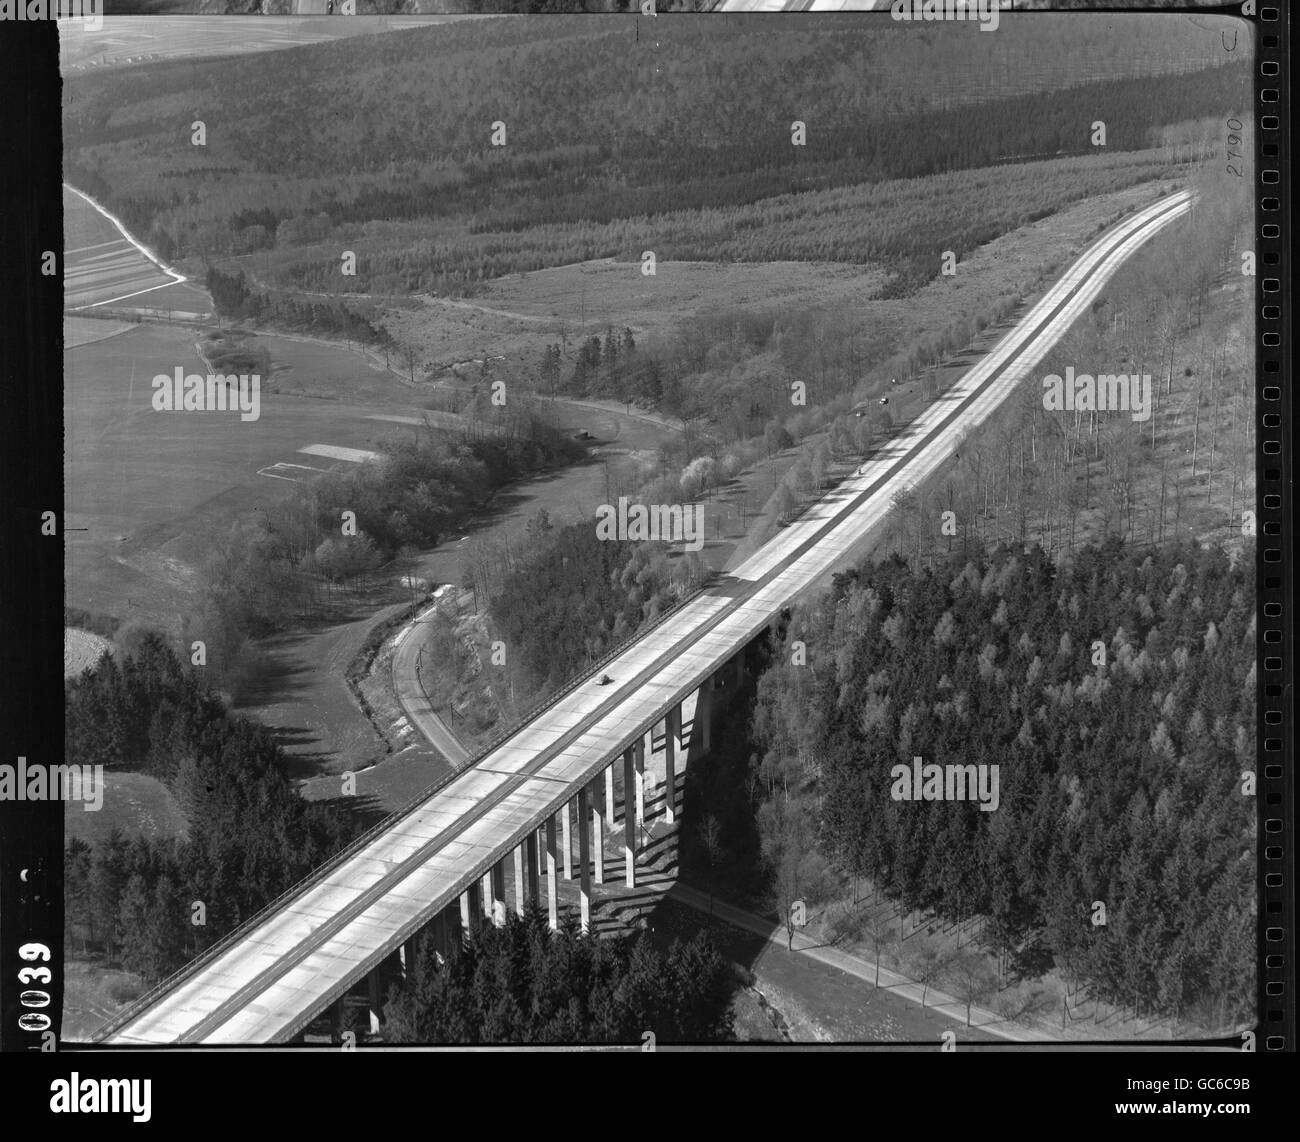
[
  {"x": 407, "y": 955},
  {"x": 533, "y": 859},
  {"x": 584, "y": 857},
  {"x": 629, "y": 821},
  {"x": 485, "y": 894},
  {"x": 517, "y": 855},
  {"x": 552, "y": 889},
  {"x": 738, "y": 670},
  {"x": 471, "y": 909},
  {"x": 566, "y": 838},
  {"x": 376, "y": 1001},
  {"x": 336, "y": 1020},
  {"x": 478, "y": 896},
  {"x": 702, "y": 721},
  {"x": 597, "y": 834},
  {"x": 638, "y": 756},
  {"x": 609, "y": 797},
  {"x": 498, "y": 909},
  {"x": 672, "y": 735}
]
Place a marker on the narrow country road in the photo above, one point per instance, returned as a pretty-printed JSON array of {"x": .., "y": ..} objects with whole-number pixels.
[
  {"x": 406, "y": 681},
  {"x": 935, "y": 999}
]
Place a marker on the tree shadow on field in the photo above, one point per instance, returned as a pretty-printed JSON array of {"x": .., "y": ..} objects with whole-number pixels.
[
  {"x": 365, "y": 809},
  {"x": 299, "y": 763}
]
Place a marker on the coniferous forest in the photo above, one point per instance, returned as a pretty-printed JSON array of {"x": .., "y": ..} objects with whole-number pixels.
[
  {"x": 522, "y": 983},
  {"x": 1116, "y": 694},
  {"x": 249, "y": 834}
]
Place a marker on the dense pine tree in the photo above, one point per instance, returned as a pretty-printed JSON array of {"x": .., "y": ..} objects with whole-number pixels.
[
  {"x": 521, "y": 983},
  {"x": 1116, "y": 695}
]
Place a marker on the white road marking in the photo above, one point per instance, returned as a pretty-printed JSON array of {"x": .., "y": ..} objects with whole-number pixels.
[{"x": 285, "y": 464}]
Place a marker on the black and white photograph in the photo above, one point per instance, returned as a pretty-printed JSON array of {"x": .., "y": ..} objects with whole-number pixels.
[{"x": 730, "y": 526}]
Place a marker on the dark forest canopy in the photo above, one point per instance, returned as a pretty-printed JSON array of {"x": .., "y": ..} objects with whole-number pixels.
[
  {"x": 365, "y": 139},
  {"x": 1117, "y": 695},
  {"x": 521, "y": 983}
]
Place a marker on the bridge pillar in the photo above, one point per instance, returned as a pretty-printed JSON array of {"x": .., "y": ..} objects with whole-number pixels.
[
  {"x": 566, "y": 839},
  {"x": 584, "y": 856},
  {"x": 597, "y": 834},
  {"x": 407, "y": 956},
  {"x": 485, "y": 894},
  {"x": 738, "y": 670},
  {"x": 638, "y": 756},
  {"x": 702, "y": 721},
  {"x": 520, "y": 897},
  {"x": 629, "y": 821},
  {"x": 498, "y": 910},
  {"x": 609, "y": 797},
  {"x": 477, "y": 898},
  {"x": 336, "y": 1020},
  {"x": 672, "y": 736},
  {"x": 552, "y": 893},
  {"x": 376, "y": 1001},
  {"x": 533, "y": 859}
]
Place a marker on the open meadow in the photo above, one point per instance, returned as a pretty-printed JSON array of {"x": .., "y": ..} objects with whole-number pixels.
[{"x": 152, "y": 489}]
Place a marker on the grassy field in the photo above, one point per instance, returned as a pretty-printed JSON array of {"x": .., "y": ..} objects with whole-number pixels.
[
  {"x": 78, "y": 331},
  {"x": 153, "y": 488},
  {"x": 516, "y": 316},
  {"x": 133, "y": 802}
]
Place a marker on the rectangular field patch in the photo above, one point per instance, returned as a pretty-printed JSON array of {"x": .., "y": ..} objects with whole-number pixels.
[{"x": 336, "y": 452}]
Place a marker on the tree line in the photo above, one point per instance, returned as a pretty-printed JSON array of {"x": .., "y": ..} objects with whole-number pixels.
[{"x": 234, "y": 299}]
